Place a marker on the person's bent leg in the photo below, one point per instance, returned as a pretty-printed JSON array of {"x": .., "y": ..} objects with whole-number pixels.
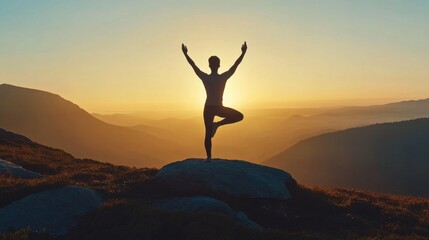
[
  {"x": 208, "y": 122},
  {"x": 230, "y": 116}
]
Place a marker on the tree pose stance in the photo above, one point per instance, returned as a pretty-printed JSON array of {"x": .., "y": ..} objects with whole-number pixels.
[{"x": 214, "y": 83}]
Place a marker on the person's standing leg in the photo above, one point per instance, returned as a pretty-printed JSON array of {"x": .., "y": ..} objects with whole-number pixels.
[{"x": 208, "y": 122}]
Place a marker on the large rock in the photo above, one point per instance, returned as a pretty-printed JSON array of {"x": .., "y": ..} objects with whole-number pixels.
[
  {"x": 12, "y": 170},
  {"x": 229, "y": 178},
  {"x": 54, "y": 211},
  {"x": 207, "y": 204}
]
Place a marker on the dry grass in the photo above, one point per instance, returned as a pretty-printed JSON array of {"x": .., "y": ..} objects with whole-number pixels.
[
  {"x": 63, "y": 169},
  {"x": 358, "y": 214}
]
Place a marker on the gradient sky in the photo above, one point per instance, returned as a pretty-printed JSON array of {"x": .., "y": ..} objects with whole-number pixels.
[{"x": 125, "y": 55}]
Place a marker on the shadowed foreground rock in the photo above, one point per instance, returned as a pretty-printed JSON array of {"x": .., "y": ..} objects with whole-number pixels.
[
  {"x": 54, "y": 211},
  {"x": 207, "y": 204},
  {"x": 12, "y": 170},
  {"x": 231, "y": 178}
]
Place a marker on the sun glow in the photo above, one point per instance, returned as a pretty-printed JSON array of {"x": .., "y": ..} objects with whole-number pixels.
[{"x": 128, "y": 55}]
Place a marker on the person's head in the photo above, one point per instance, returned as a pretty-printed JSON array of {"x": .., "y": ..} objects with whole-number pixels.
[{"x": 214, "y": 62}]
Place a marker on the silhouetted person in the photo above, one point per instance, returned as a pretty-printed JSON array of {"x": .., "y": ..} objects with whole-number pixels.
[{"x": 214, "y": 83}]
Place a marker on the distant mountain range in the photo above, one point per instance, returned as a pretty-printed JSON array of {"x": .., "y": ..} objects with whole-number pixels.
[
  {"x": 266, "y": 132},
  {"x": 51, "y": 120},
  {"x": 405, "y": 109},
  {"x": 388, "y": 157}
]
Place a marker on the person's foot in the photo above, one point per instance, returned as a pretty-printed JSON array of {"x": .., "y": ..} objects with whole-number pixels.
[
  {"x": 209, "y": 159},
  {"x": 214, "y": 128}
]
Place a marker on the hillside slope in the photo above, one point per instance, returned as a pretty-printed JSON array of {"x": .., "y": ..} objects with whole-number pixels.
[
  {"x": 389, "y": 157},
  {"x": 51, "y": 120},
  {"x": 60, "y": 169}
]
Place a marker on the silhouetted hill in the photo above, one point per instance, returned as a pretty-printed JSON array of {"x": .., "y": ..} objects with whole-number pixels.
[
  {"x": 49, "y": 119},
  {"x": 389, "y": 157}
]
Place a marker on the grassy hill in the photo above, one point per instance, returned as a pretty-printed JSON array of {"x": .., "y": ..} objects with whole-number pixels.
[
  {"x": 389, "y": 157},
  {"x": 315, "y": 213},
  {"x": 49, "y": 119}
]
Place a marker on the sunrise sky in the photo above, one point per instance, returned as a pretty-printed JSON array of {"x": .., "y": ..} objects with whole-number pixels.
[{"x": 109, "y": 56}]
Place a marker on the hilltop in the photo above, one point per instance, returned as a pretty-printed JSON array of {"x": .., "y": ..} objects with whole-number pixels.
[{"x": 313, "y": 213}]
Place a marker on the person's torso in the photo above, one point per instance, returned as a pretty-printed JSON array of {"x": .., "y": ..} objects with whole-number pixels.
[{"x": 215, "y": 86}]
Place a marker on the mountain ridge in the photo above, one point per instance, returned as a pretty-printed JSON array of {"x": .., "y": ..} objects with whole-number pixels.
[{"x": 50, "y": 119}]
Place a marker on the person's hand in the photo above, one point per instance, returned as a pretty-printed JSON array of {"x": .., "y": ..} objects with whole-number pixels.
[
  {"x": 244, "y": 47},
  {"x": 184, "y": 49}
]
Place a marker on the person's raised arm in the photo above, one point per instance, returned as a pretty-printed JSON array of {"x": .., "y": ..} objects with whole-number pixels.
[
  {"x": 199, "y": 73},
  {"x": 231, "y": 71}
]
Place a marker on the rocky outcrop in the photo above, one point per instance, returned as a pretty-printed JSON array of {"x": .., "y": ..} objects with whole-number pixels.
[
  {"x": 203, "y": 203},
  {"x": 9, "y": 169},
  {"x": 52, "y": 211},
  {"x": 230, "y": 178},
  {"x": 249, "y": 193}
]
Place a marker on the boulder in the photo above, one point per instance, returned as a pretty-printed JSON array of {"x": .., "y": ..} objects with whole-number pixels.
[
  {"x": 225, "y": 178},
  {"x": 12, "y": 170},
  {"x": 53, "y": 211},
  {"x": 203, "y": 203}
]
